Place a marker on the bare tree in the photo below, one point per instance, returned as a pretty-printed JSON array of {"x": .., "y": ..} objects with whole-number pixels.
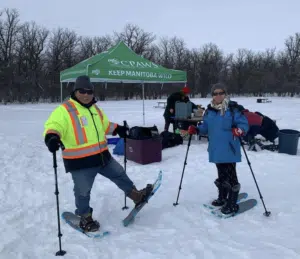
[
  {"x": 135, "y": 38},
  {"x": 92, "y": 46},
  {"x": 62, "y": 50},
  {"x": 292, "y": 50},
  {"x": 180, "y": 52},
  {"x": 209, "y": 66},
  {"x": 172, "y": 53},
  {"x": 164, "y": 53},
  {"x": 62, "y": 53},
  {"x": 9, "y": 29},
  {"x": 30, "y": 48},
  {"x": 241, "y": 68},
  {"x": 292, "y": 45}
]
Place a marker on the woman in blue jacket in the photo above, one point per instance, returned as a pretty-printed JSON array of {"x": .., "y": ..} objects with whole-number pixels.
[{"x": 224, "y": 124}]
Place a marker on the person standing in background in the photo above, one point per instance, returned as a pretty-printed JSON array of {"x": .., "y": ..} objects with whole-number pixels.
[{"x": 181, "y": 96}]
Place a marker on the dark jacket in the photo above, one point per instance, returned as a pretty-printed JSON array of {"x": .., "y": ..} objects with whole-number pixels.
[{"x": 171, "y": 101}]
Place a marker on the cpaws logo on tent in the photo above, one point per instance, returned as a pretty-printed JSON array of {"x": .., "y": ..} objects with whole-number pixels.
[
  {"x": 131, "y": 63},
  {"x": 96, "y": 72},
  {"x": 114, "y": 61},
  {"x": 119, "y": 63}
]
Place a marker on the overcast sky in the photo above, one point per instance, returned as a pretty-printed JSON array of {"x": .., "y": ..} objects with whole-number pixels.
[{"x": 230, "y": 24}]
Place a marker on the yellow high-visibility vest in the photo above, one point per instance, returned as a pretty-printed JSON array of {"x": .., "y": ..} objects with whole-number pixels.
[{"x": 81, "y": 130}]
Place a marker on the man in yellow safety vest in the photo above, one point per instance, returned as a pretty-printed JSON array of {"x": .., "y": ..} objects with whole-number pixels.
[{"x": 81, "y": 126}]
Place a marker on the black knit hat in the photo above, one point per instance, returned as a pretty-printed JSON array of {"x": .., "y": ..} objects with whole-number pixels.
[{"x": 83, "y": 82}]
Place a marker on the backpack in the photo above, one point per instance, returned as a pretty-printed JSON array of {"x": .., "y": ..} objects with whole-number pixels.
[
  {"x": 269, "y": 129},
  {"x": 140, "y": 133},
  {"x": 170, "y": 139}
]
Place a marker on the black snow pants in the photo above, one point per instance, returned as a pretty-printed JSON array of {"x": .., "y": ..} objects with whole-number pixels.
[
  {"x": 169, "y": 121},
  {"x": 227, "y": 174}
]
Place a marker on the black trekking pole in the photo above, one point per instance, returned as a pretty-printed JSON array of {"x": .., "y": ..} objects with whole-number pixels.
[
  {"x": 60, "y": 252},
  {"x": 266, "y": 213},
  {"x": 185, "y": 163},
  {"x": 125, "y": 161}
]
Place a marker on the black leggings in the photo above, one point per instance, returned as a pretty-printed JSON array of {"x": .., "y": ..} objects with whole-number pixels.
[
  {"x": 227, "y": 173},
  {"x": 168, "y": 121}
]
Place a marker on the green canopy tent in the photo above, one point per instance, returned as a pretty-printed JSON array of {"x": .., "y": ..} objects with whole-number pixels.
[{"x": 120, "y": 64}]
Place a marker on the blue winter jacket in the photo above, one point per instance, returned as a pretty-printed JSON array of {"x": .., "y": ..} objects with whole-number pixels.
[{"x": 223, "y": 147}]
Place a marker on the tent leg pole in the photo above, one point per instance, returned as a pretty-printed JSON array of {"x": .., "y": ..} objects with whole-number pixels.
[
  {"x": 61, "y": 95},
  {"x": 143, "y": 104}
]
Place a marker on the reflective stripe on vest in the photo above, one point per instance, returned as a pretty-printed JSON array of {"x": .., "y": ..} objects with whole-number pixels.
[
  {"x": 111, "y": 126},
  {"x": 79, "y": 131},
  {"x": 99, "y": 112},
  {"x": 75, "y": 153}
]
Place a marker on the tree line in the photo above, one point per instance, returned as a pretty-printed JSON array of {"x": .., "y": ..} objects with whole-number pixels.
[{"x": 32, "y": 57}]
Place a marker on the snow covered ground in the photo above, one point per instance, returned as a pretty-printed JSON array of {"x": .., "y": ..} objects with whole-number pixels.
[{"x": 28, "y": 220}]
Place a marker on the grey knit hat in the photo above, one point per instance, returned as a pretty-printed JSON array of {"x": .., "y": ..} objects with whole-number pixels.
[
  {"x": 219, "y": 86},
  {"x": 83, "y": 82}
]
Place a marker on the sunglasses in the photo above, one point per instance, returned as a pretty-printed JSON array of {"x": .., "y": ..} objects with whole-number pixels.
[
  {"x": 218, "y": 93},
  {"x": 85, "y": 91}
]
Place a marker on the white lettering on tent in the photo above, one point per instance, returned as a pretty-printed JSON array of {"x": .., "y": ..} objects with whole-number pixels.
[
  {"x": 143, "y": 65},
  {"x": 131, "y": 63},
  {"x": 120, "y": 73},
  {"x": 146, "y": 64},
  {"x": 125, "y": 63}
]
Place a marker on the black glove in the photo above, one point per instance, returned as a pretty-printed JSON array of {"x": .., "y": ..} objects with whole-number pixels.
[
  {"x": 52, "y": 142},
  {"x": 122, "y": 131}
]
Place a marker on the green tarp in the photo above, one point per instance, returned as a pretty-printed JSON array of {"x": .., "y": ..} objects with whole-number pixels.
[{"x": 121, "y": 64}]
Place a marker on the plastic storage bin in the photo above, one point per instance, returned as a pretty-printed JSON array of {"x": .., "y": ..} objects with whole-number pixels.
[{"x": 288, "y": 141}]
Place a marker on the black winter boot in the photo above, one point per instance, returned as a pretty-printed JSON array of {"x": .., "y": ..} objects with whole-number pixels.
[
  {"x": 223, "y": 192},
  {"x": 140, "y": 196},
  {"x": 231, "y": 206},
  {"x": 87, "y": 224}
]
